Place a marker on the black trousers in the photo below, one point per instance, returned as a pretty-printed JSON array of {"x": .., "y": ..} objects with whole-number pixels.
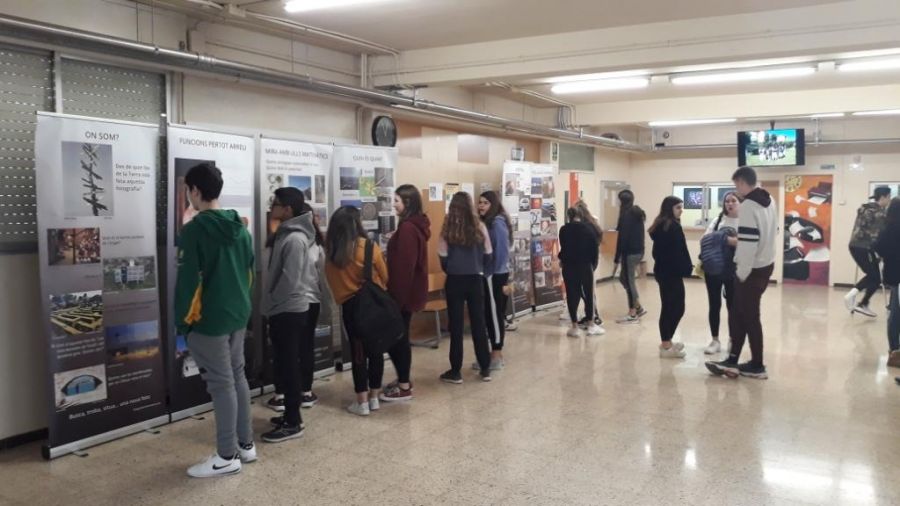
[
  {"x": 715, "y": 287},
  {"x": 744, "y": 322},
  {"x": 868, "y": 263},
  {"x": 307, "y": 352},
  {"x": 401, "y": 352},
  {"x": 579, "y": 280},
  {"x": 462, "y": 291},
  {"x": 368, "y": 366},
  {"x": 495, "y": 309},
  {"x": 671, "y": 294},
  {"x": 285, "y": 330}
]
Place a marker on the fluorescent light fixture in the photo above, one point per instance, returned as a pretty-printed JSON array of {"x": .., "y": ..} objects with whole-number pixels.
[
  {"x": 294, "y": 6},
  {"x": 887, "y": 112},
  {"x": 688, "y": 122},
  {"x": 745, "y": 75},
  {"x": 828, "y": 115},
  {"x": 600, "y": 85},
  {"x": 863, "y": 66},
  {"x": 595, "y": 77}
]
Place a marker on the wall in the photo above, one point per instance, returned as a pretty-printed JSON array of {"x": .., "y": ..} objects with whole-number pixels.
[{"x": 652, "y": 178}]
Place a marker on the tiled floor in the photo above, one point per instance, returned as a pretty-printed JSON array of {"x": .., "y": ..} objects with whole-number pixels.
[{"x": 598, "y": 420}]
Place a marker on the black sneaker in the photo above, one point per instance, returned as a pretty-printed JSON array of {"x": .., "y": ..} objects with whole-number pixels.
[
  {"x": 277, "y": 420},
  {"x": 452, "y": 376},
  {"x": 726, "y": 367},
  {"x": 283, "y": 433},
  {"x": 485, "y": 375},
  {"x": 584, "y": 323},
  {"x": 276, "y": 404},
  {"x": 897, "y": 379},
  {"x": 750, "y": 370},
  {"x": 598, "y": 320},
  {"x": 641, "y": 312},
  {"x": 308, "y": 401}
]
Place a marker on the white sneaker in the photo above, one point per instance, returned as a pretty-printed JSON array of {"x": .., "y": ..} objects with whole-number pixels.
[
  {"x": 595, "y": 330},
  {"x": 573, "y": 332},
  {"x": 215, "y": 466},
  {"x": 247, "y": 455},
  {"x": 374, "y": 405},
  {"x": 673, "y": 352},
  {"x": 714, "y": 347},
  {"x": 628, "y": 319},
  {"x": 677, "y": 346},
  {"x": 359, "y": 409},
  {"x": 864, "y": 310},
  {"x": 850, "y": 299}
]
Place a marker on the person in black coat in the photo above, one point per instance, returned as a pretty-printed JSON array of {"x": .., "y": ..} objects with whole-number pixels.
[
  {"x": 579, "y": 254},
  {"x": 888, "y": 248},
  {"x": 672, "y": 263}
]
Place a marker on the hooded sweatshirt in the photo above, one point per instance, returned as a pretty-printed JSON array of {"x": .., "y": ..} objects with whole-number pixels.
[
  {"x": 869, "y": 222},
  {"x": 631, "y": 233},
  {"x": 499, "y": 233},
  {"x": 293, "y": 275},
  {"x": 407, "y": 259},
  {"x": 671, "y": 258},
  {"x": 215, "y": 272},
  {"x": 757, "y": 231}
]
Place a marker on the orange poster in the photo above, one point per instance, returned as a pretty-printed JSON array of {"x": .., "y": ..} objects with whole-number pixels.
[{"x": 807, "y": 229}]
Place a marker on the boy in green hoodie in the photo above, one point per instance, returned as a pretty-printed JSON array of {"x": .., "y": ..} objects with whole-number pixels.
[{"x": 212, "y": 308}]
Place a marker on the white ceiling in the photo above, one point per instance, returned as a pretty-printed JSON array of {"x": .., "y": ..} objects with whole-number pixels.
[{"x": 417, "y": 24}]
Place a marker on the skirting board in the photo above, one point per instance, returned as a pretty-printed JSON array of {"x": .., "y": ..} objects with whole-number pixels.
[
  {"x": 196, "y": 410},
  {"x": 58, "y": 451},
  {"x": 23, "y": 439}
]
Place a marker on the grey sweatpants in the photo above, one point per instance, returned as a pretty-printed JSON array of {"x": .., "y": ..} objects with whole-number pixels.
[
  {"x": 221, "y": 362},
  {"x": 627, "y": 276}
]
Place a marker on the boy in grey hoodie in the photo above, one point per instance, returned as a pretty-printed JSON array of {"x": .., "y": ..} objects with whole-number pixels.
[{"x": 292, "y": 286}]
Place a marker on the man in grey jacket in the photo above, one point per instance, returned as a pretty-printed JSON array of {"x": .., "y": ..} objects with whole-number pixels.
[{"x": 292, "y": 285}]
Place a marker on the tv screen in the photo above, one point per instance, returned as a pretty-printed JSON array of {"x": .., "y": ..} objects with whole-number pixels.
[
  {"x": 693, "y": 198},
  {"x": 771, "y": 148}
]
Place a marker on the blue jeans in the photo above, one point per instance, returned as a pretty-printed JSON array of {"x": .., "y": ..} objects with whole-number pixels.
[{"x": 894, "y": 319}]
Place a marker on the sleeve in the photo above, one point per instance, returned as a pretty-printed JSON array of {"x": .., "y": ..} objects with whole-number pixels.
[
  {"x": 710, "y": 228},
  {"x": 687, "y": 265},
  {"x": 593, "y": 245},
  {"x": 293, "y": 257},
  {"x": 488, "y": 251},
  {"x": 401, "y": 265},
  {"x": 188, "y": 287},
  {"x": 620, "y": 240},
  {"x": 379, "y": 266},
  {"x": 748, "y": 241}
]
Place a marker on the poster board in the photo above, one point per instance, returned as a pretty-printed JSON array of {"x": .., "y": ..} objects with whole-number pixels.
[
  {"x": 807, "y": 229},
  {"x": 307, "y": 167},
  {"x": 96, "y": 201},
  {"x": 545, "y": 236},
  {"x": 516, "y": 187},
  {"x": 365, "y": 178}
]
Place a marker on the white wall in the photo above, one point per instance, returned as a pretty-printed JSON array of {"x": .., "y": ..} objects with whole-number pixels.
[{"x": 652, "y": 178}]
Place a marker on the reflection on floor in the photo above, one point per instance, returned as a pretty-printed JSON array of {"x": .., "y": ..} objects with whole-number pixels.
[{"x": 570, "y": 421}]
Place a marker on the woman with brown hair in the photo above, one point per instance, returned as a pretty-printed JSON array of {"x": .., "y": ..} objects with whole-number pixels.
[
  {"x": 499, "y": 227},
  {"x": 672, "y": 263},
  {"x": 407, "y": 257},
  {"x": 464, "y": 249},
  {"x": 345, "y": 253}
]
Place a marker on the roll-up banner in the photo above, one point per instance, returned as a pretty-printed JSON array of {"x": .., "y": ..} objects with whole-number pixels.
[
  {"x": 235, "y": 156},
  {"x": 306, "y": 167},
  {"x": 545, "y": 236},
  {"x": 365, "y": 179},
  {"x": 516, "y": 188},
  {"x": 96, "y": 203}
]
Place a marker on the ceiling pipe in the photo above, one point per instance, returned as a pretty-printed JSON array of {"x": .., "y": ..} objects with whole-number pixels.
[
  {"x": 58, "y": 36},
  {"x": 842, "y": 142}
]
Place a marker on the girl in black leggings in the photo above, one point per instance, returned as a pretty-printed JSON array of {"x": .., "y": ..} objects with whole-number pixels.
[
  {"x": 672, "y": 263},
  {"x": 719, "y": 284},
  {"x": 464, "y": 248},
  {"x": 579, "y": 253}
]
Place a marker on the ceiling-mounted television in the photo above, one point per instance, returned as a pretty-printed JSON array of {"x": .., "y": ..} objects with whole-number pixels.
[{"x": 772, "y": 148}]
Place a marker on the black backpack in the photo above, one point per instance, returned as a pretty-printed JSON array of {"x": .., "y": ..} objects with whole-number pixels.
[{"x": 378, "y": 323}]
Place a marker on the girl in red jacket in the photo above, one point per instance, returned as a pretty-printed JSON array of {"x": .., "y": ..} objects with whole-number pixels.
[{"x": 407, "y": 256}]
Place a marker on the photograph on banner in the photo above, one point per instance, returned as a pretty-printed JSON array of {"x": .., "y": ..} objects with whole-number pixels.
[
  {"x": 516, "y": 185},
  {"x": 301, "y": 165},
  {"x": 235, "y": 156},
  {"x": 99, "y": 274},
  {"x": 366, "y": 178},
  {"x": 807, "y": 229}
]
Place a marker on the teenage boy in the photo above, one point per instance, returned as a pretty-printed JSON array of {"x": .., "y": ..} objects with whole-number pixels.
[
  {"x": 755, "y": 259},
  {"x": 212, "y": 308},
  {"x": 291, "y": 288},
  {"x": 869, "y": 222}
]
